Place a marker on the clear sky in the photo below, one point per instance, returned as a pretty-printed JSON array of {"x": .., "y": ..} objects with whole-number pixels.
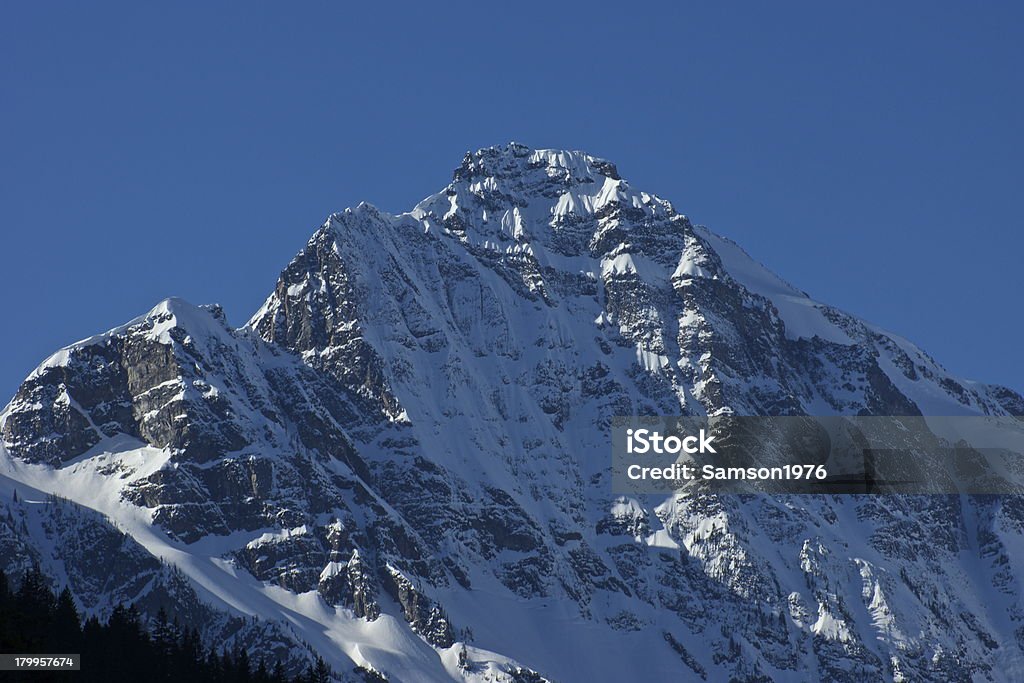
[{"x": 870, "y": 153}]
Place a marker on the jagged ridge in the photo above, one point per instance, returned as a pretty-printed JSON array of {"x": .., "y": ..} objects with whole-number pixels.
[{"x": 404, "y": 450}]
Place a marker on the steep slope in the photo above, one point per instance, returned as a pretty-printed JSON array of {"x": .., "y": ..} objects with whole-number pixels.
[{"x": 404, "y": 454}]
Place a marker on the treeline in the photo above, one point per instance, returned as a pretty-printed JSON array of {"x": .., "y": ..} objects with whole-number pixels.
[{"x": 121, "y": 649}]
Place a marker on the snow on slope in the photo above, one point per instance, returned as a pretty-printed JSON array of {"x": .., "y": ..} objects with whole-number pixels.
[
  {"x": 414, "y": 425},
  {"x": 97, "y": 478},
  {"x": 801, "y": 314}
]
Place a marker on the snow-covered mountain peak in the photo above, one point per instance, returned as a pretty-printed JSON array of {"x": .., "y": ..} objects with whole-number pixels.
[
  {"x": 175, "y": 312},
  {"x": 402, "y": 456},
  {"x": 557, "y": 198},
  {"x": 515, "y": 159},
  {"x": 172, "y": 313}
]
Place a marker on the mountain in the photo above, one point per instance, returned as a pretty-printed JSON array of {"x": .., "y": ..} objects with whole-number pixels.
[{"x": 401, "y": 461}]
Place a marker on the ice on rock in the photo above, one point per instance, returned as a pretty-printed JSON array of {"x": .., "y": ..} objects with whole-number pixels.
[{"x": 401, "y": 459}]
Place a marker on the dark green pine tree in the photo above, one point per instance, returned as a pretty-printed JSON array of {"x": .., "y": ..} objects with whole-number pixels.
[
  {"x": 214, "y": 666},
  {"x": 261, "y": 675},
  {"x": 95, "y": 667},
  {"x": 227, "y": 666},
  {"x": 243, "y": 672},
  {"x": 321, "y": 672},
  {"x": 189, "y": 664},
  {"x": 122, "y": 650},
  {"x": 67, "y": 625},
  {"x": 7, "y": 626},
  {"x": 33, "y": 609},
  {"x": 165, "y": 644},
  {"x": 128, "y": 651}
]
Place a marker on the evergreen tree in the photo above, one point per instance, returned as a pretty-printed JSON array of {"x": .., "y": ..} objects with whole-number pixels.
[
  {"x": 164, "y": 638},
  {"x": 121, "y": 649},
  {"x": 321, "y": 672},
  {"x": 242, "y": 670},
  {"x": 227, "y": 666},
  {"x": 190, "y": 661},
  {"x": 33, "y": 608},
  {"x": 7, "y": 632},
  {"x": 261, "y": 675},
  {"x": 214, "y": 666},
  {"x": 67, "y": 624}
]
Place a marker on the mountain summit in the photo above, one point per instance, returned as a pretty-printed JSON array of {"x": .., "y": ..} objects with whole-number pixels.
[{"x": 401, "y": 461}]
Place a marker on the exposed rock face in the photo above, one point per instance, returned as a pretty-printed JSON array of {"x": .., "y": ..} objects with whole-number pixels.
[
  {"x": 404, "y": 453},
  {"x": 423, "y": 615}
]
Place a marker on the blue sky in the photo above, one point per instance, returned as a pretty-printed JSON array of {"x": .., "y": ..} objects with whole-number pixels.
[{"x": 870, "y": 153}]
